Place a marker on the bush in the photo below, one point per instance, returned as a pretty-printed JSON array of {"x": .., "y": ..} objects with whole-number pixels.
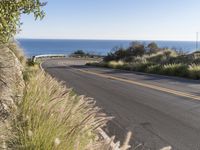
[
  {"x": 141, "y": 67},
  {"x": 194, "y": 71},
  {"x": 153, "y": 47},
  {"x": 160, "y": 61},
  {"x": 120, "y": 54},
  {"x": 158, "y": 58},
  {"x": 196, "y": 61},
  {"x": 79, "y": 52},
  {"x": 154, "y": 69},
  {"x": 174, "y": 70},
  {"x": 136, "y": 49},
  {"x": 109, "y": 57},
  {"x": 30, "y": 62}
]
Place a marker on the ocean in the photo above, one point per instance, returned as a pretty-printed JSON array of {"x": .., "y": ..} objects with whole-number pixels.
[{"x": 33, "y": 47}]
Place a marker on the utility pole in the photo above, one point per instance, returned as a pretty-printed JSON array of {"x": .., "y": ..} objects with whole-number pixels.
[{"x": 197, "y": 41}]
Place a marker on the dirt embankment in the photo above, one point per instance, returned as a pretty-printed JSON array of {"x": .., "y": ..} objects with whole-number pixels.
[{"x": 11, "y": 88}]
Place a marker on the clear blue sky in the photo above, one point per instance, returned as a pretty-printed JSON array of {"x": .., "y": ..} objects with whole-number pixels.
[{"x": 116, "y": 19}]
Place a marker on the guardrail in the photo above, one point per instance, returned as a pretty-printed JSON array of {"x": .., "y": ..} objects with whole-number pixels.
[{"x": 34, "y": 58}]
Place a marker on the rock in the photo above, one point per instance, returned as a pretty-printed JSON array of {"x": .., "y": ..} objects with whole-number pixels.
[{"x": 11, "y": 86}]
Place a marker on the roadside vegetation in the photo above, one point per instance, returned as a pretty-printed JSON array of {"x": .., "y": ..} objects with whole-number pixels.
[
  {"x": 48, "y": 115},
  {"x": 83, "y": 54},
  {"x": 51, "y": 116},
  {"x": 152, "y": 59},
  {"x": 54, "y": 117}
]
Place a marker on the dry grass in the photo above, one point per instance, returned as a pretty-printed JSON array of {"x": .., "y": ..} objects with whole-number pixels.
[
  {"x": 53, "y": 117},
  {"x": 15, "y": 48},
  {"x": 115, "y": 64}
]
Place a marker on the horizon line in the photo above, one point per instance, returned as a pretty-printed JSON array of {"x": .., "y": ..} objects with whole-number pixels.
[{"x": 101, "y": 39}]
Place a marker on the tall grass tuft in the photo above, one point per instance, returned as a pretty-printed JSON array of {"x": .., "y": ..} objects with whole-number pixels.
[
  {"x": 194, "y": 71},
  {"x": 174, "y": 70},
  {"x": 53, "y": 117},
  {"x": 115, "y": 64}
]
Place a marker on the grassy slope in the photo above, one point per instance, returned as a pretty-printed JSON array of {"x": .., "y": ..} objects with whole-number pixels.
[
  {"x": 53, "y": 117},
  {"x": 166, "y": 62}
]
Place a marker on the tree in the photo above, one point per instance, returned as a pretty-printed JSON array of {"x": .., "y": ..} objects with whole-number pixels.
[
  {"x": 79, "y": 52},
  {"x": 10, "y": 12},
  {"x": 136, "y": 49},
  {"x": 153, "y": 47}
]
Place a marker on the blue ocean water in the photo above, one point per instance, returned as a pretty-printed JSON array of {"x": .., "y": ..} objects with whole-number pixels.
[{"x": 34, "y": 47}]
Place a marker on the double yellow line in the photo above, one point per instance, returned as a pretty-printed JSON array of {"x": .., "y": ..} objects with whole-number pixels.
[{"x": 154, "y": 87}]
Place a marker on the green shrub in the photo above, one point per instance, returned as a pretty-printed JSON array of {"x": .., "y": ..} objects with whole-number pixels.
[
  {"x": 161, "y": 56},
  {"x": 194, "y": 71},
  {"x": 196, "y": 61},
  {"x": 175, "y": 70},
  {"x": 30, "y": 62},
  {"x": 79, "y": 52},
  {"x": 127, "y": 66},
  {"x": 109, "y": 57},
  {"x": 156, "y": 58},
  {"x": 154, "y": 69},
  {"x": 136, "y": 49},
  {"x": 159, "y": 61},
  {"x": 98, "y": 64},
  {"x": 153, "y": 47},
  {"x": 141, "y": 67}
]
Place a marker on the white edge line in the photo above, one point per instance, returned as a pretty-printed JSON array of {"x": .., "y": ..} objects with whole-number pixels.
[{"x": 41, "y": 67}]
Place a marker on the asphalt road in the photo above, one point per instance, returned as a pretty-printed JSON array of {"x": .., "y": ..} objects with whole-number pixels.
[{"x": 160, "y": 111}]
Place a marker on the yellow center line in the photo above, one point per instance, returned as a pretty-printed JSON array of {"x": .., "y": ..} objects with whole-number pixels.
[{"x": 158, "y": 88}]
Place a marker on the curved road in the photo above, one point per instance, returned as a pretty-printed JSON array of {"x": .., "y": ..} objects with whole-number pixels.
[{"x": 160, "y": 111}]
